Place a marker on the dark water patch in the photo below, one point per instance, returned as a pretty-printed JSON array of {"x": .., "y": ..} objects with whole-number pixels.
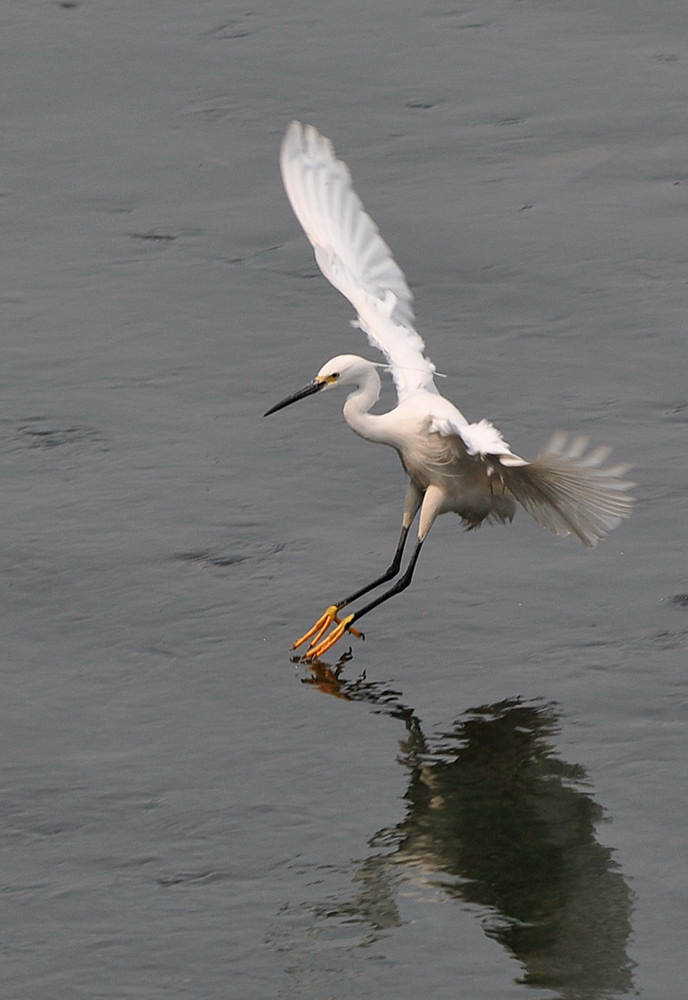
[
  {"x": 35, "y": 818},
  {"x": 456, "y": 14},
  {"x": 225, "y": 560},
  {"x": 215, "y": 110},
  {"x": 139, "y": 862},
  {"x": 238, "y": 27},
  {"x": 418, "y": 104},
  {"x": 216, "y": 559},
  {"x": 677, "y": 600},
  {"x": 671, "y": 640},
  {"x": 153, "y": 237},
  {"x": 191, "y": 878},
  {"x": 40, "y": 432},
  {"x": 250, "y": 256}
]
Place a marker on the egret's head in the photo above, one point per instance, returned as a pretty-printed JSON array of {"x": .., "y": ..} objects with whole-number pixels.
[{"x": 345, "y": 369}]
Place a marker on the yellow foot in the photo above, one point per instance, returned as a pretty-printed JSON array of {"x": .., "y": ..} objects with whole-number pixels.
[
  {"x": 316, "y": 633},
  {"x": 320, "y": 645},
  {"x": 321, "y": 626}
]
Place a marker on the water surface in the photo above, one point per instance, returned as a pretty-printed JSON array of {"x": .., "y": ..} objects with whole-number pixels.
[{"x": 487, "y": 798}]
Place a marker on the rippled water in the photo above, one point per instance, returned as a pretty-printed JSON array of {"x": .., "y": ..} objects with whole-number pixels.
[{"x": 487, "y": 796}]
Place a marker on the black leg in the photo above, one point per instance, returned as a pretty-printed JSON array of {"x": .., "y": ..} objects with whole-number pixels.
[
  {"x": 402, "y": 583},
  {"x": 412, "y": 504},
  {"x": 389, "y": 574}
]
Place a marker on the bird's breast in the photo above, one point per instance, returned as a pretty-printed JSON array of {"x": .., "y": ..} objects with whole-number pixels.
[{"x": 471, "y": 487}]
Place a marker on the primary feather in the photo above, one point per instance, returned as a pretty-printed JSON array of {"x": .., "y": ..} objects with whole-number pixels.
[
  {"x": 569, "y": 491},
  {"x": 352, "y": 255}
]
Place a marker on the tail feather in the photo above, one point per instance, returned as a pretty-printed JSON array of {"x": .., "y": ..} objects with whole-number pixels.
[{"x": 571, "y": 492}]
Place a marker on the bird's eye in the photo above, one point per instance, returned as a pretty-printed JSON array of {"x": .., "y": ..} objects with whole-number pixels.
[{"x": 334, "y": 375}]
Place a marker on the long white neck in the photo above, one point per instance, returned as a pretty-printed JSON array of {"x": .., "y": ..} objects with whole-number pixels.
[{"x": 359, "y": 402}]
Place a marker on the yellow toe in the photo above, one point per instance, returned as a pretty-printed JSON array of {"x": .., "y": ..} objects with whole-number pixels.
[
  {"x": 320, "y": 627},
  {"x": 316, "y": 649}
]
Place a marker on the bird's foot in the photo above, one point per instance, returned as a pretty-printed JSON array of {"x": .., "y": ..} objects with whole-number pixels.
[
  {"x": 321, "y": 626},
  {"x": 316, "y": 649},
  {"x": 320, "y": 642}
]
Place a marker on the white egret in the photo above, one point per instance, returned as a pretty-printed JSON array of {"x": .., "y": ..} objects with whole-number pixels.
[{"x": 452, "y": 465}]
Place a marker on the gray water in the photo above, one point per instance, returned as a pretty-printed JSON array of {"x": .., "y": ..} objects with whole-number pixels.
[{"x": 487, "y": 799}]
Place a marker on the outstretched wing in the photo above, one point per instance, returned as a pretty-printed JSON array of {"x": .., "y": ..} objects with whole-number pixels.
[
  {"x": 566, "y": 488},
  {"x": 569, "y": 491},
  {"x": 352, "y": 255}
]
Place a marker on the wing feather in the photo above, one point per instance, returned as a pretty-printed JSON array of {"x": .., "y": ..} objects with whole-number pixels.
[
  {"x": 569, "y": 491},
  {"x": 352, "y": 255}
]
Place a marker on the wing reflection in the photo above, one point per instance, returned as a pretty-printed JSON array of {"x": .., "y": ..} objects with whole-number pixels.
[{"x": 495, "y": 819}]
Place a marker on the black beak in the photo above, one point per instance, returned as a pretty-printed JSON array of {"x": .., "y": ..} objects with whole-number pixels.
[{"x": 308, "y": 390}]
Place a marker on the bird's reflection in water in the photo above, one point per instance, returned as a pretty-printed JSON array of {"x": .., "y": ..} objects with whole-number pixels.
[{"x": 495, "y": 819}]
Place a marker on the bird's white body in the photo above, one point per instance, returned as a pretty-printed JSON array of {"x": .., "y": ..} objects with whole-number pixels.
[
  {"x": 419, "y": 428},
  {"x": 452, "y": 464}
]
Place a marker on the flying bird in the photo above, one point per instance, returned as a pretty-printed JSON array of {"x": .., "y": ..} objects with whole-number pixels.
[{"x": 452, "y": 465}]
